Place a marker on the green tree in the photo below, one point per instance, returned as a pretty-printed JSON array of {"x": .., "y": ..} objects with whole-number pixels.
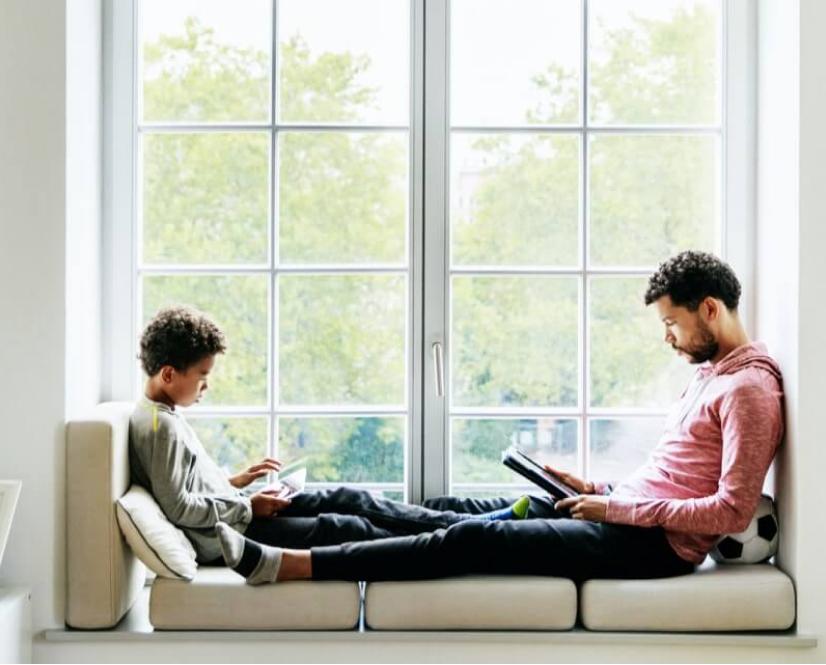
[{"x": 193, "y": 77}]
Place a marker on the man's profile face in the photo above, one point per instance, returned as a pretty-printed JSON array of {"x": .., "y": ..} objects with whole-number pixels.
[{"x": 686, "y": 331}]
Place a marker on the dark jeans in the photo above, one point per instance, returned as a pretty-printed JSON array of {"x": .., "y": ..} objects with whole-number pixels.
[
  {"x": 342, "y": 515},
  {"x": 549, "y": 544}
]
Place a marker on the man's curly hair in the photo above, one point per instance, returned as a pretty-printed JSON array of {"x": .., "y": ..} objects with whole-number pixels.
[
  {"x": 690, "y": 277},
  {"x": 180, "y": 337}
]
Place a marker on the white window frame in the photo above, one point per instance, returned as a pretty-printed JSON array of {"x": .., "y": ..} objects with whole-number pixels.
[{"x": 427, "y": 456}]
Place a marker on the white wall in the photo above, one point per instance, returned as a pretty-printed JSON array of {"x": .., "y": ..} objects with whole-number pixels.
[
  {"x": 791, "y": 285},
  {"x": 49, "y": 269},
  {"x": 810, "y": 449},
  {"x": 84, "y": 112},
  {"x": 32, "y": 292},
  {"x": 778, "y": 243}
]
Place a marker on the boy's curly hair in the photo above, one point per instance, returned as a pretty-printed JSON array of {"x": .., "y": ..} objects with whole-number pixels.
[
  {"x": 180, "y": 337},
  {"x": 690, "y": 277}
]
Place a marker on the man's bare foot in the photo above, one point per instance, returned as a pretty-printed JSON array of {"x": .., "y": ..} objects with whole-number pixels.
[{"x": 295, "y": 565}]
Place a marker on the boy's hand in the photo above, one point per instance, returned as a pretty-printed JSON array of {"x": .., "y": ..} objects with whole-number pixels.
[
  {"x": 255, "y": 472},
  {"x": 267, "y": 503},
  {"x": 591, "y": 507},
  {"x": 581, "y": 486}
]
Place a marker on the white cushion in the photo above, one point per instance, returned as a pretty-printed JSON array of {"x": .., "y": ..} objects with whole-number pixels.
[
  {"x": 472, "y": 603},
  {"x": 220, "y": 599},
  {"x": 713, "y": 598},
  {"x": 159, "y": 544}
]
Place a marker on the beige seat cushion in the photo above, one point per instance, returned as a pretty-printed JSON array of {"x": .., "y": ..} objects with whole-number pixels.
[
  {"x": 219, "y": 599},
  {"x": 467, "y": 603},
  {"x": 103, "y": 575},
  {"x": 714, "y": 598}
]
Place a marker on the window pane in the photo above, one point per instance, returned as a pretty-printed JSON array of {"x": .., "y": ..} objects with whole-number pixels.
[
  {"x": 620, "y": 446},
  {"x": 515, "y": 199},
  {"x": 343, "y": 197},
  {"x": 344, "y": 61},
  {"x": 351, "y": 450},
  {"x": 205, "y": 60},
  {"x": 631, "y": 366},
  {"x": 654, "y": 61},
  {"x": 652, "y": 197},
  {"x": 206, "y": 198},
  {"x": 514, "y": 341},
  {"x": 342, "y": 339},
  {"x": 234, "y": 443},
  {"x": 238, "y": 305},
  {"x": 515, "y": 62},
  {"x": 477, "y": 445}
]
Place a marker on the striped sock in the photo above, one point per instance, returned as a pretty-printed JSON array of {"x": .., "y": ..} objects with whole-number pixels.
[{"x": 258, "y": 563}]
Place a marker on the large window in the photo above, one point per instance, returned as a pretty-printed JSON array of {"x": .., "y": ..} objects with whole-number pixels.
[{"x": 425, "y": 227}]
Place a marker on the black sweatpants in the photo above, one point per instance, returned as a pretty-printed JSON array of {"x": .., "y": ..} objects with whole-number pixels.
[
  {"x": 342, "y": 515},
  {"x": 547, "y": 544}
]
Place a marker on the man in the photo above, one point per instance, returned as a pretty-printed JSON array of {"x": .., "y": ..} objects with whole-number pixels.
[{"x": 704, "y": 478}]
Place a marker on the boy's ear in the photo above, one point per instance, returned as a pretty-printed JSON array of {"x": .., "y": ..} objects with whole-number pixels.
[{"x": 166, "y": 373}]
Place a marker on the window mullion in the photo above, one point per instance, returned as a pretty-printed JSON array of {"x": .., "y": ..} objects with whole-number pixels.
[
  {"x": 272, "y": 374},
  {"x": 436, "y": 284},
  {"x": 583, "y": 458}
]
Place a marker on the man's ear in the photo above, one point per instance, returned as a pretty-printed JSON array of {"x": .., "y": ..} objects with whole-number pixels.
[{"x": 711, "y": 308}]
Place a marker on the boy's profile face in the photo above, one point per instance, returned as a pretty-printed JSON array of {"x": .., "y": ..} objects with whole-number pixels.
[{"x": 185, "y": 387}]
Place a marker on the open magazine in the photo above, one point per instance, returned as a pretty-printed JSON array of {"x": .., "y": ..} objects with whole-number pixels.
[
  {"x": 515, "y": 459},
  {"x": 291, "y": 479},
  {"x": 294, "y": 482}
]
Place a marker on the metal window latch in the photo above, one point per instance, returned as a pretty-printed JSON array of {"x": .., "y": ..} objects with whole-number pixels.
[{"x": 439, "y": 368}]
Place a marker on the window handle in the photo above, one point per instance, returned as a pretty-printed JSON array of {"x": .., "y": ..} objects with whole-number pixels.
[{"x": 439, "y": 368}]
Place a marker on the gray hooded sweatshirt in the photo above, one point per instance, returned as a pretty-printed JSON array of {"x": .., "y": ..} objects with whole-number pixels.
[{"x": 166, "y": 458}]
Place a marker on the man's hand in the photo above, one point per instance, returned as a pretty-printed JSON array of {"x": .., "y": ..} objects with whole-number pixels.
[
  {"x": 255, "y": 472},
  {"x": 581, "y": 486},
  {"x": 267, "y": 503},
  {"x": 592, "y": 507}
]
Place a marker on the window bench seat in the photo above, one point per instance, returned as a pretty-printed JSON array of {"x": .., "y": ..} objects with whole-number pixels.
[{"x": 105, "y": 579}]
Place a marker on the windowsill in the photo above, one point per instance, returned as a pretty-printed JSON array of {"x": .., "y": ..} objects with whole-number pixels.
[{"x": 135, "y": 626}]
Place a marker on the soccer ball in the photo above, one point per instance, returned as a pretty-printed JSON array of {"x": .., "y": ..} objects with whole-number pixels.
[{"x": 757, "y": 544}]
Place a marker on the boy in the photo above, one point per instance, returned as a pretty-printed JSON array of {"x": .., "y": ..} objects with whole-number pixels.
[{"x": 178, "y": 352}]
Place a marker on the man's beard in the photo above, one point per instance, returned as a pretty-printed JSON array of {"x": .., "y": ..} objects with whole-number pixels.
[{"x": 705, "y": 349}]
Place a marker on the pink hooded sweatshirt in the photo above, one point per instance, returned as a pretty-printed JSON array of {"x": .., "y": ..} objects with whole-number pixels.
[{"x": 705, "y": 476}]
